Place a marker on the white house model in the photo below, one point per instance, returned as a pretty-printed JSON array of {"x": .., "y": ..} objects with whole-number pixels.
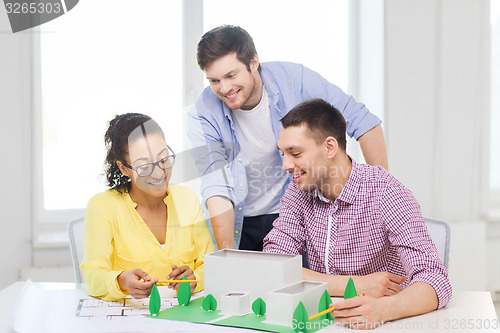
[{"x": 237, "y": 278}]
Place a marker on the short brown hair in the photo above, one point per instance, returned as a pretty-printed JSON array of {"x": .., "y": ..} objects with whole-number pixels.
[
  {"x": 222, "y": 41},
  {"x": 321, "y": 118}
]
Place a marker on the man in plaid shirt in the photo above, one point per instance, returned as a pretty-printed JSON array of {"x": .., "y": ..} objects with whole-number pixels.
[{"x": 353, "y": 220}]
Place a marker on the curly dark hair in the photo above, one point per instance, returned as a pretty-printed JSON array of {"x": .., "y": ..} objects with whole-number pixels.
[{"x": 121, "y": 131}]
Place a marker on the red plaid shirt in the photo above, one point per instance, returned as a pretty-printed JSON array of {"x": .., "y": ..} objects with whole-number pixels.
[{"x": 375, "y": 225}]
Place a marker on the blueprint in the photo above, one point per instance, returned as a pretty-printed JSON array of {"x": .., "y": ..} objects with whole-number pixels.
[
  {"x": 72, "y": 310},
  {"x": 96, "y": 308}
]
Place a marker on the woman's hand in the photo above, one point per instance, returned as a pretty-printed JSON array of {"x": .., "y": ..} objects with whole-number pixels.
[
  {"x": 137, "y": 282},
  {"x": 178, "y": 273}
]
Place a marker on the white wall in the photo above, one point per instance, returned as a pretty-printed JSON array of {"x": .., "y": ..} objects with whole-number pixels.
[
  {"x": 437, "y": 102},
  {"x": 15, "y": 158},
  {"x": 436, "y": 118}
]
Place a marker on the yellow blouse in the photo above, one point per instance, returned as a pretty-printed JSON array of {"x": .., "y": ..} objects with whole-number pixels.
[{"x": 117, "y": 239}]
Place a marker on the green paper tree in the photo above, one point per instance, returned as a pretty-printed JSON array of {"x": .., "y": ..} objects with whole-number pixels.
[
  {"x": 184, "y": 292},
  {"x": 154, "y": 302},
  {"x": 324, "y": 303},
  {"x": 350, "y": 290},
  {"x": 209, "y": 303},
  {"x": 300, "y": 318},
  {"x": 259, "y": 307}
]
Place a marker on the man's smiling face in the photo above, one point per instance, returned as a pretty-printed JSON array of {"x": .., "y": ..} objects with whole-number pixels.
[
  {"x": 303, "y": 158},
  {"x": 231, "y": 81}
]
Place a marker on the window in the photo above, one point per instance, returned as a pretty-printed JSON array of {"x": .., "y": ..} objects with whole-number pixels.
[
  {"x": 313, "y": 33},
  {"x": 101, "y": 59}
]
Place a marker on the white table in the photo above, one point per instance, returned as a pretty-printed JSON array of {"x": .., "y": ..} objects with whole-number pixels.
[{"x": 467, "y": 312}]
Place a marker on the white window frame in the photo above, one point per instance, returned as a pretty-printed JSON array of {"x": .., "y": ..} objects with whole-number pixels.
[
  {"x": 47, "y": 224},
  {"x": 494, "y": 211},
  {"x": 366, "y": 60}
]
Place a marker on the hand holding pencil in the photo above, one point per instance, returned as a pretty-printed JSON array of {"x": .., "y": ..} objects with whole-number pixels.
[
  {"x": 136, "y": 282},
  {"x": 178, "y": 273},
  {"x": 176, "y": 277},
  {"x": 332, "y": 308},
  {"x": 363, "y": 312}
]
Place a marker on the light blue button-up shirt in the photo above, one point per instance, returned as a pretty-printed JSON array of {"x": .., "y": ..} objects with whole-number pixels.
[{"x": 210, "y": 125}]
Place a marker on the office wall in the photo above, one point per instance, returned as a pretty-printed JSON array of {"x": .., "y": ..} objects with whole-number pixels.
[
  {"x": 436, "y": 118},
  {"x": 437, "y": 103},
  {"x": 15, "y": 157}
]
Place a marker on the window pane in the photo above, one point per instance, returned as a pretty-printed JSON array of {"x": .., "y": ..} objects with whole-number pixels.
[
  {"x": 313, "y": 33},
  {"x": 101, "y": 59},
  {"x": 495, "y": 96}
]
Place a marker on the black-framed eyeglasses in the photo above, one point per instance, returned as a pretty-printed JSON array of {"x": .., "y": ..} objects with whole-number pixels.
[{"x": 147, "y": 169}]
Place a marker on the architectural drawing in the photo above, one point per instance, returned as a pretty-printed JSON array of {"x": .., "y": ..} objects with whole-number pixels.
[{"x": 96, "y": 308}]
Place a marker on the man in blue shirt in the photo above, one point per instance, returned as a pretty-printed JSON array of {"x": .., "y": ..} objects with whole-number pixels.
[{"x": 237, "y": 119}]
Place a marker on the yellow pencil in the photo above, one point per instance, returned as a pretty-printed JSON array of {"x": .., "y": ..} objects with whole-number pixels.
[
  {"x": 328, "y": 310},
  {"x": 322, "y": 313},
  {"x": 175, "y": 281}
]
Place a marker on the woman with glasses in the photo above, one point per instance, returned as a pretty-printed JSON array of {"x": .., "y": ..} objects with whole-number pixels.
[{"x": 142, "y": 229}]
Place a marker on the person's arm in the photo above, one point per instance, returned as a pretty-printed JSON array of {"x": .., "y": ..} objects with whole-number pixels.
[
  {"x": 211, "y": 159},
  {"x": 100, "y": 278},
  {"x": 222, "y": 218},
  {"x": 368, "y": 312},
  {"x": 377, "y": 284},
  {"x": 372, "y": 145},
  {"x": 288, "y": 233},
  {"x": 362, "y": 125},
  {"x": 407, "y": 232},
  {"x": 428, "y": 288}
]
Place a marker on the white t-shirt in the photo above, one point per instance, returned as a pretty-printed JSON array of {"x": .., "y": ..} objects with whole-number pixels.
[{"x": 261, "y": 156}]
